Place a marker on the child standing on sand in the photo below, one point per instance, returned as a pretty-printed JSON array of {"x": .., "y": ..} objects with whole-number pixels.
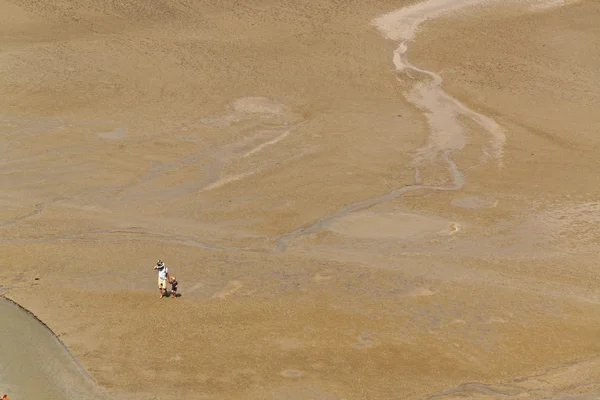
[{"x": 174, "y": 287}]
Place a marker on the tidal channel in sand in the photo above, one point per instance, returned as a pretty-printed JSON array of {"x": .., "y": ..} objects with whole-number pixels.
[
  {"x": 443, "y": 114},
  {"x": 34, "y": 364}
]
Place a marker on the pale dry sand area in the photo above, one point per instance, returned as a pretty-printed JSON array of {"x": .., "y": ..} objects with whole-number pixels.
[{"x": 354, "y": 208}]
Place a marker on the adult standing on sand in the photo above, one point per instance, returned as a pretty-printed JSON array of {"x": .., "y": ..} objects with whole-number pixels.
[{"x": 163, "y": 277}]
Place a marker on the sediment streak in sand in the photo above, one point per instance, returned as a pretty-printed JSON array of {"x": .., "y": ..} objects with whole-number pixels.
[{"x": 446, "y": 132}]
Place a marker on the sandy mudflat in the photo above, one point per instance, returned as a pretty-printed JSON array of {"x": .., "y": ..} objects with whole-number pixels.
[{"x": 348, "y": 217}]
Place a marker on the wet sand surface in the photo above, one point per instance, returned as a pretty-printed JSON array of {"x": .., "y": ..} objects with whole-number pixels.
[
  {"x": 353, "y": 209},
  {"x": 34, "y": 364}
]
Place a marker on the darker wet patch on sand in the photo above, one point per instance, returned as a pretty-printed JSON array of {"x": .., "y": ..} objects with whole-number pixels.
[
  {"x": 35, "y": 363},
  {"x": 290, "y": 373},
  {"x": 118, "y": 133},
  {"x": 475, "y": 202}
]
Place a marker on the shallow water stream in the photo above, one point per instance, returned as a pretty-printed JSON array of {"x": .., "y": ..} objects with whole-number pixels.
[{"x": 34, "y": 364}]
